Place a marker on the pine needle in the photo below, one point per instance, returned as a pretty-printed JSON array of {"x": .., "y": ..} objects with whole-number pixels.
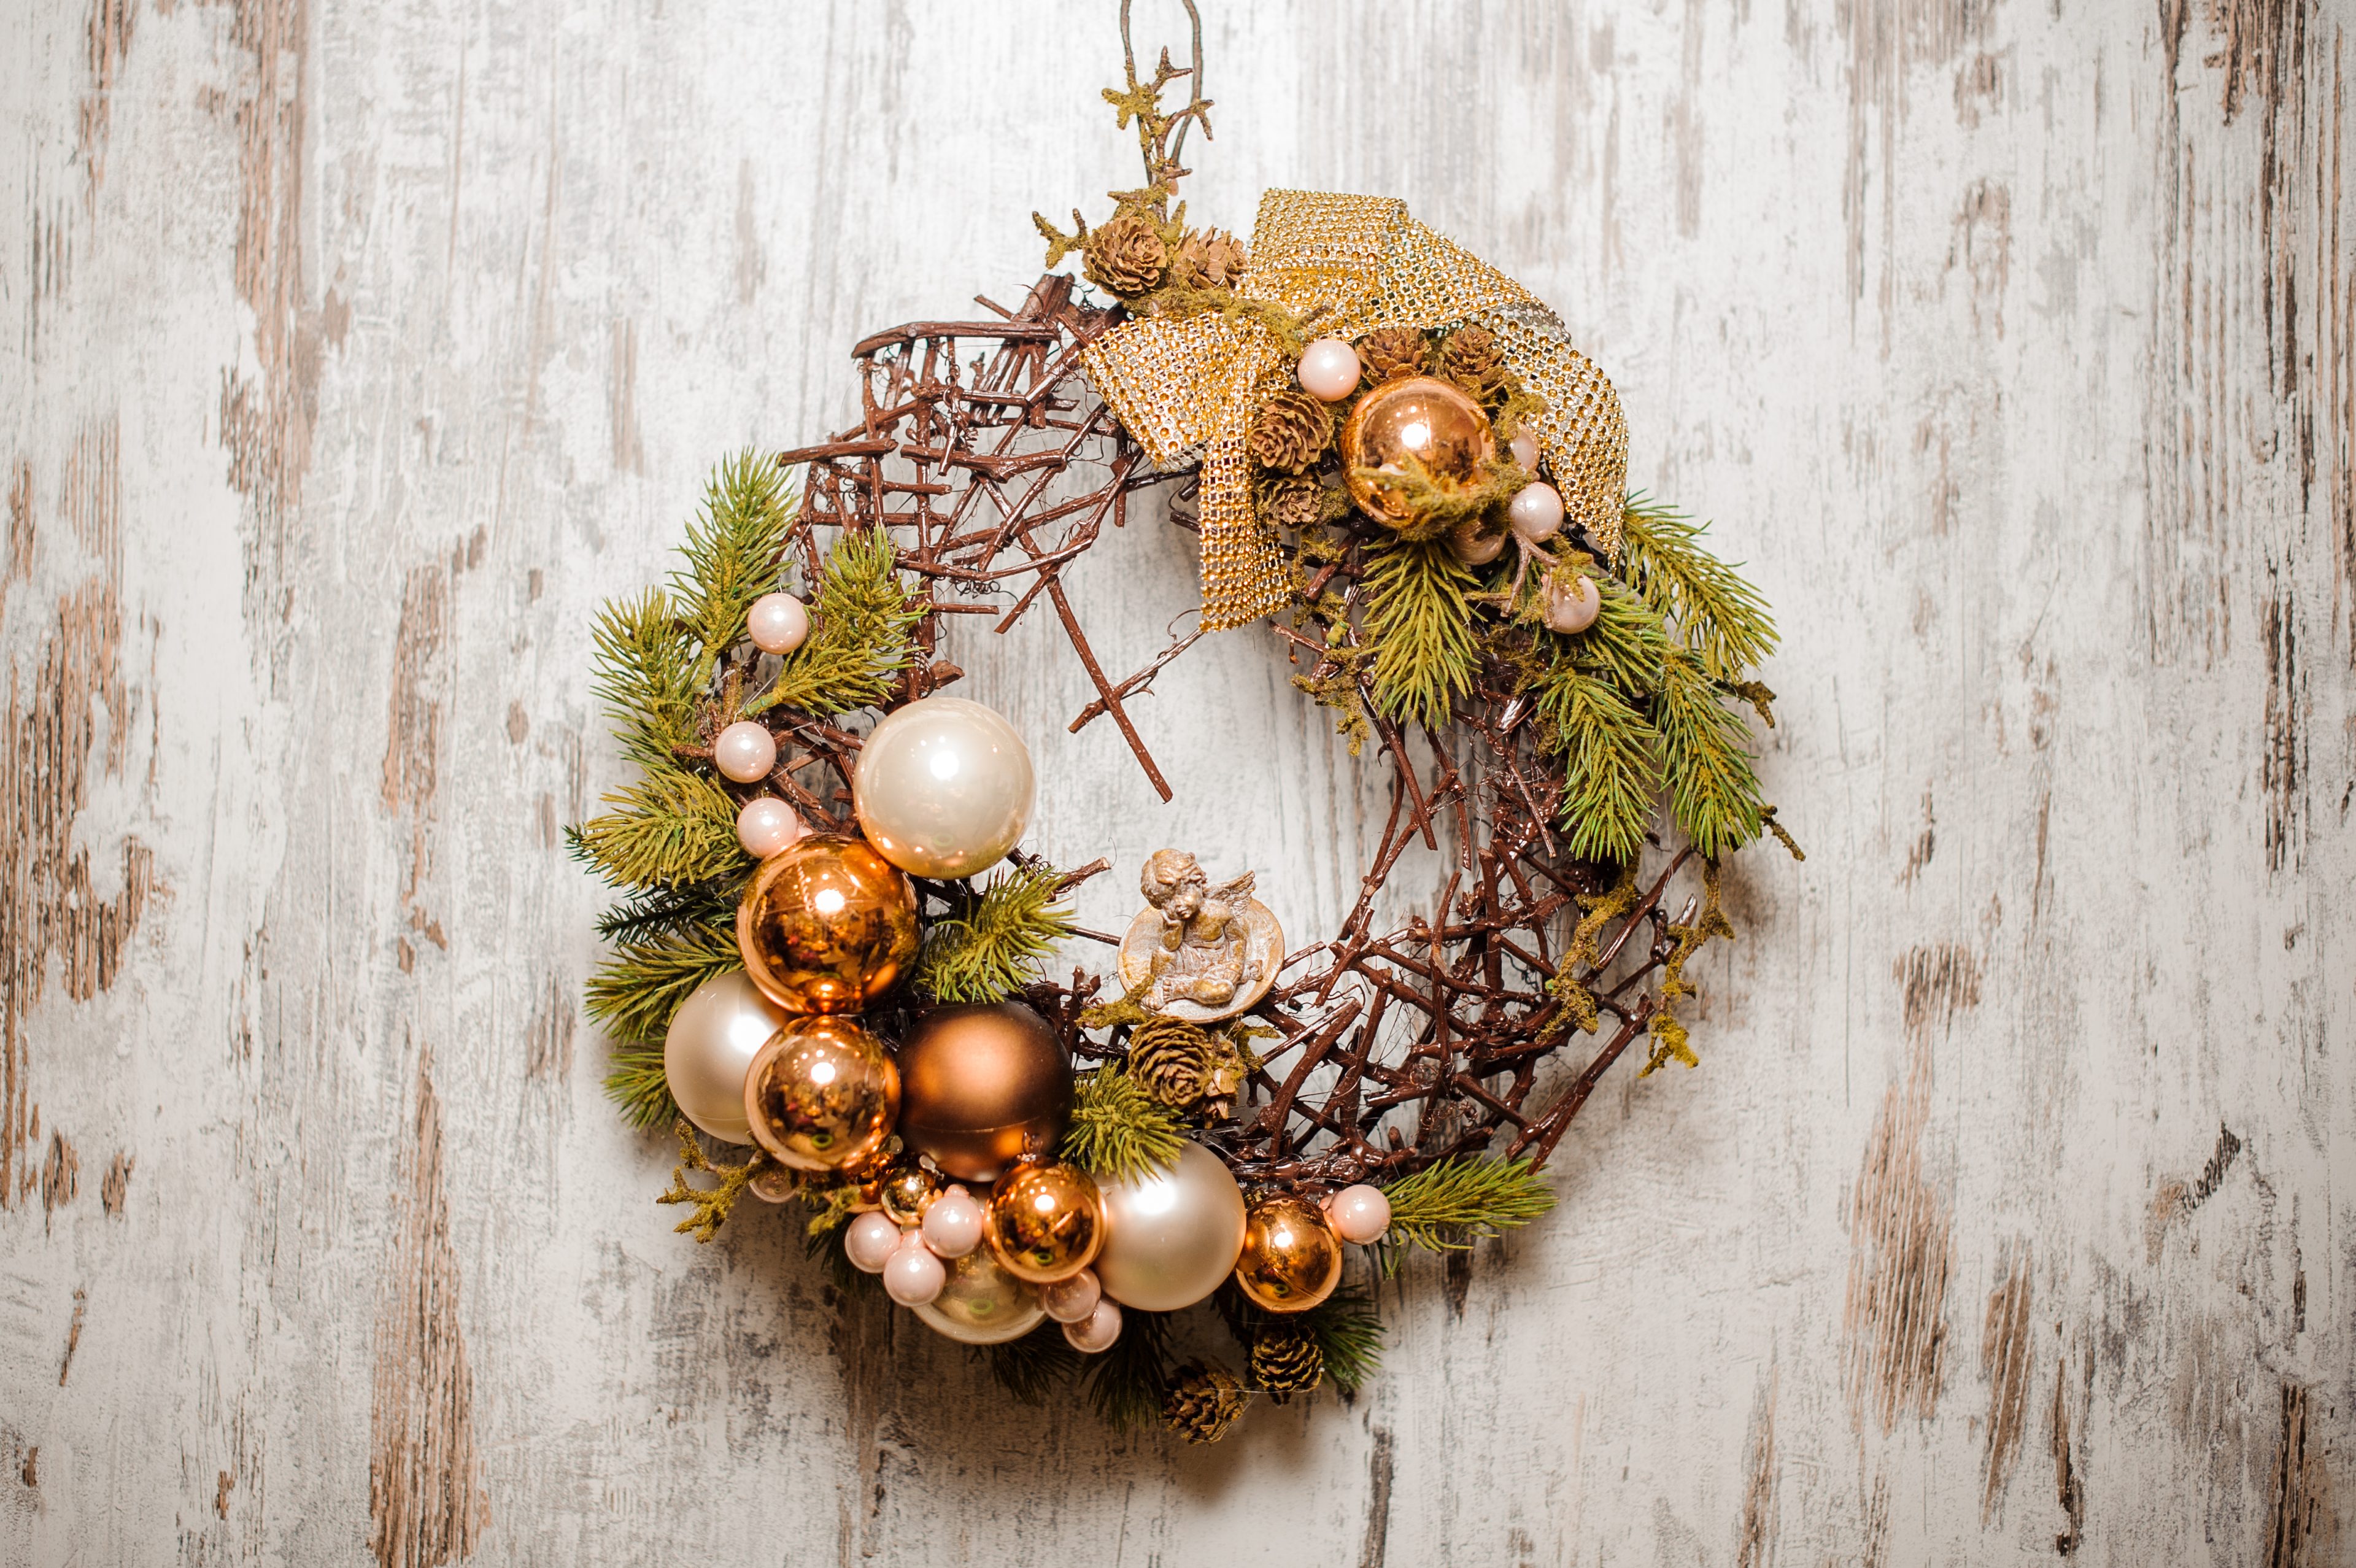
[
  {"x": 644, "y": 666},
  {"x": 733, "y": 550},
  {"x": 637, "y": 990},
  {"x": 671, "y": 827},
  {"x": 859, "y": 636},
  {"x": 1420, "y": 624},
  {"x": 1611, "y": 762},
  {"x": 1128, "y": 1382},
  {"x": 1119, "y": 1131},
  {"x": 1445, "y": 1207},
  {"x": 1721, "y": 616},
  {"x": 1348, "y": 1330},
  {"x": 1713, "y": 789},
  {"x": 1035, "y": 1366},
  {"x": 1001, "y": 944},
  {"x": 637, "y": 1083},
  {"x": 671, "y": 907},
  {"x": 1626, "y": 642}
]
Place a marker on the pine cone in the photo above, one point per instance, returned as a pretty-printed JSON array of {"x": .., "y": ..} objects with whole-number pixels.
[
  {"x": 1292, "y": 502},
  {"x": 1203, "y": 1402},
  {"x": 1211, "y": 258},
  {"x": 1172, "y": 1057},
  {"x": 1392, "y": 352},
  {"x": 1476, "y": 360},
  {"x": 1292, "y": 432},
  {"x": 1127, "y": 257},
  {"x": 1286, "y": 1359}
]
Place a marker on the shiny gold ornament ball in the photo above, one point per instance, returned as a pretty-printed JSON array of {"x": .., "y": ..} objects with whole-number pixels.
[
  {"x": 822, "y": 1094},
  {"x": 904, "y": 1194},
  {"x": 1291, "y": 1257},
  {"x": 1416, "y": 417},
  {"x": 981, "y": 1304},
  {"x": 827, "y": 926},
  {"x": 982, "y": 1087},
  {"x": 1045, "y": 1222}
]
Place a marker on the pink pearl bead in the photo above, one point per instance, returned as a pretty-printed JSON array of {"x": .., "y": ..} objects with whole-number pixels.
[
  {"x": 1535, "y": 512},
  {"x": 869, "y": 1241},
  {"x": 912, "y": 1275},
  {"x": 1573, "y": 608},
  {"x": 1097, "y": 1331},
  {"x": 771, "y": 1185},
  {"x": 777, "y": 623},
  {"x": 953, "y": 1224},
  {"x": 1360, "y": 1213},
  {"x": 744, "y": 751},
  {"x": 1524, "y": 448},
  {"x": 1071, "y": 1300},
  {"x": 767, "y": 825},
  {"x": 1329, "y": 370},
  {"x": 1472, "y": 549}
]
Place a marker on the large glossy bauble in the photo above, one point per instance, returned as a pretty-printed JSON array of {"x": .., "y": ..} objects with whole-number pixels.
[
  {"x": 981, "y": 1304},
  {"x": 1172, "y": 1237},
  {"x": 943, "y": 787},
  {"x": 980, "y": 1086},
  {"x": 714, "y": 1038},
  {"x": 827, "y": 926},
  {"x": 1291, "y": 1257},
  {"x": 1418, "y": 417},
  {"x": 1045, "y": 1222},
  {"x": 822, "y": 1094}
]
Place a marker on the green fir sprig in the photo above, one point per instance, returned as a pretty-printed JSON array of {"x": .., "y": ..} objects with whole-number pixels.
[
  {"x": 1127, "y": 1384},
  {"x": 998, "y": 945},
  {"x": 1448, "y": 1206},
  {"x": 1721, "y": 616},
  {"x": 733, "y": 547},
  {"x": 1347, "y": 1329},
  {"x": 1713, "y": 788},
  {"x": 634, "y": 992},
  {"x": 860, "y": 636},
  {"x": 1420, "y": 619},
  {"x": 669, "y": 827},
  {"x": 1117, "y": 1130},
  {"x": 644, "y": 660},
  {"x": 1037, "y": 1365},
  {"x": 1610, "y": 760}
]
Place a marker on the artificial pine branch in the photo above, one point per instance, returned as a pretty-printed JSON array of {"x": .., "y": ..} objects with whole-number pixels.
[
  {"x": 669, "y": 908},
  {"x": 644, "y": 663},
  {"x": 1446, "y": 1207},
  {"x": 1713, "y": 789},
  {"x": 732, "y": 549},
  {"x": 1035, "y": 1366},
  {"x": 1610, "y": 761},
  {"x": 1347, "y": 1329},
  {"x": 860, "y": 641},
  {"x": 1128, "y": 1383},
  {"x": 998, "y": 947},
  {"x": 636, "y": 1082},
  {"x": 1117, "y": 1130},
  {"x": 672, "y": 827},
  {"x": 1627, "y": 641},
  {"x": 636, "y": 992},
  {"x": 1722, "y": 617},
  {"x": 1420, "y": 624}
]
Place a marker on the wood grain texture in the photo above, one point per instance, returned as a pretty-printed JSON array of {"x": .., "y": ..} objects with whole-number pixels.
[{"x": 356, "y": 352}]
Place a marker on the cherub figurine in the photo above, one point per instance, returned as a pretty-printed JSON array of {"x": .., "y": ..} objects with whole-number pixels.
[{"x": 1200, "y": 953}]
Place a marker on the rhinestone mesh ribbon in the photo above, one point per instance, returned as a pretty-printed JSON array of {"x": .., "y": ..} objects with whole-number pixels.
[{"x": 1187, "y": 390}]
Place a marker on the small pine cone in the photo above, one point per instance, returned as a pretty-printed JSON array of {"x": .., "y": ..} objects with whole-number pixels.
[
  {"x": 1286, "y": 1359},
  {"x": 1172, "y": 1057},
  {"x": 1476, "y": 360},
  {"x": 1211, "y": 258},
  {"x": 1127, "y": 257},
  {"x": 1203, "y": 1402},
  {"x": 1392, "y": 352},
  {"x": 1290, "y": 433},
  {"x": 1292, "y": 502}
]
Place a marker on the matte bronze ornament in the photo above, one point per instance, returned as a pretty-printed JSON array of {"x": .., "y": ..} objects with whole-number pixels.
[
  {"x": 1291, "y": 1257},
  {"x": 827, "y": 926},
  {"x": 980, "y": 1086},
  {"x": 1419, "y": 418},
  {"x": 1045, "y": 1222},
  {"x": 822, "y": 1094}
]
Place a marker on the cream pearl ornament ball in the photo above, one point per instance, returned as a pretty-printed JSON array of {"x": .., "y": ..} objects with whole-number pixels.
[
  {"x": 1535, "y": 512},
  {"x": 943, "y": 787},
  {"x": 777, "y": 623},
  {"x": 869, "y": 1241},
  {"x": 1071, "y": 1300},
  {"x": 952, "y": 1226},
  {"x": 1524, "y": 448},
  {"x": 711, "y": 1044},
  {"x": 1360, "y": 1214},
  {"x": 1095, "y": 1334},
  {"x": 744, "y": 751},
  {"x": 1329, "y": 370},
  {"x": 912, "y": 1275},
  {"x": 1170, "y": 1236},
  {"x": 1572, "y": 606},
  {"x": 767, "y": 825}
]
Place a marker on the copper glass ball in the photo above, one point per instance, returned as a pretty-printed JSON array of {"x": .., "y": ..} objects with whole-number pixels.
[
  {"x": 1291, "y": 1257},
  {"x": 822, "y": 1094},
  {"x": 907, "y": 1193},
  {"x": 1045, "y": 1222},
  {"x": 1418, "y": 417},
  {"x": 981, "y": 1304},
  {"x": 827, "y": 926},
  {"x": 982, "y": 1087}
]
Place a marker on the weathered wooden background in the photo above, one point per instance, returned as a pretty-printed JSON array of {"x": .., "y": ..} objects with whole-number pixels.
[{"x": 355, "y": 352}]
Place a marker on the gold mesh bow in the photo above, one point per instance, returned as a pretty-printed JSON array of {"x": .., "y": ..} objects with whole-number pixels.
[{"x": 1187, "y": 389}]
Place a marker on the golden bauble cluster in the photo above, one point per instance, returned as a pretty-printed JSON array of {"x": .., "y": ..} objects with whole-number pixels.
[
  {"x": 1045, "y": 1222},
  {"x": 1414, "y": 420},
  {"x": 827, "y": 926},
  {"x": 982, "y": 1087},
  {"x": 822, "y": 1094},
  {"x": 1291, "y": 1257}
]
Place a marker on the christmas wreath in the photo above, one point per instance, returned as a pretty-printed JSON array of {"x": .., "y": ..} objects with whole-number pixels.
[{"x": 833, "y": 950}]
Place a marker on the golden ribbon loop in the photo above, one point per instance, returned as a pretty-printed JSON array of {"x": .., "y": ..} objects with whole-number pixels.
[{"x": 1187, "y": 389}]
